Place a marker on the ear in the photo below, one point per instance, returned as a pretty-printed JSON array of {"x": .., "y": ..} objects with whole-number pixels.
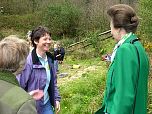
[{"x": 119, "y": 29}]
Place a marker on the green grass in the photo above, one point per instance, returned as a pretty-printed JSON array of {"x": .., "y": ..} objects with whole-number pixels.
[{"x": 82, "y": 95}]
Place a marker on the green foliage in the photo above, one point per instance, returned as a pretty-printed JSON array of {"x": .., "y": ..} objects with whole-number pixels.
[
  {"x": 83, "y": 53},
  {"x": 95, "y": 42},
  {"x": 62, "y": 19},
  {"x": 84, "y": 94},
  {"x": 1, "y": 36},
  {"x": 66, "y": 41},
  {"x": 145, "y": 13},
  {"x": 21, "y": 7},
  {"x": 20, "y": 22},
  {"x": 6, "y": 32},
  {"x": 100, "y": 46},
  {"x": 92, "y": 46}
]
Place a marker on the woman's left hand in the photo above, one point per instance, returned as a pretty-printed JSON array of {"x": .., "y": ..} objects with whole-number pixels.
[
  {"x": 57, "y": 107},
  {"x": 37, "y": 94}
]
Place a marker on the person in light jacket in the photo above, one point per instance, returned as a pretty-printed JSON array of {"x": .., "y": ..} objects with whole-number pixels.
[
  {"x": 13, "y": 99},
  {"x": 39, "y": 73},
  {"x": 126, "y": 86}
]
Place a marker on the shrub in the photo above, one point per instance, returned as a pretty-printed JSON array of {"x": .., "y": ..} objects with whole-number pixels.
[
  {"x": 1, "y": 36},
  {"x": 145, "y": 13},
  {"x": 62, "y": 19},
  {"x": 20, "y": 22}
]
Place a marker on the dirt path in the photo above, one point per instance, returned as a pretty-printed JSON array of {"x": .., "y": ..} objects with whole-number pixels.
[{"x": 73, "y": 74}]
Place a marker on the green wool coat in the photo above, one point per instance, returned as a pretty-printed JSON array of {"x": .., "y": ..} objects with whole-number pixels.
[
  {"x": 13, "y": 99},
  {"x": 126, "y": 86}
]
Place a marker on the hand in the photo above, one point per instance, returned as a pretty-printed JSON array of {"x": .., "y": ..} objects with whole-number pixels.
[
  {"x": 106, "y": 57},
  {"x": 103, "y": 58},
  {"x": 57, "y": 107},
  {"x": 60, "y": 62},
  {"x": 58, "y": 55},
  {"x": 37, "y": 94}
]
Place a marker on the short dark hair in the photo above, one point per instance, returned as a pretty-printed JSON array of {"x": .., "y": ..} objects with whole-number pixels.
[
  {"x": 37, "y": 33},
  {"x": 123, "y": 16}
]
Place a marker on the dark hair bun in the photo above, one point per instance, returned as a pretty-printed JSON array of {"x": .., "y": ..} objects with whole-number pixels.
[{"x": 134, "y": 19}]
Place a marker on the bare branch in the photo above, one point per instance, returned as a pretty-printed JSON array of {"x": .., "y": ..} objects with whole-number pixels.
[
  {"x": 106, "y": 32},
  {"x": 103, "y": 33}
]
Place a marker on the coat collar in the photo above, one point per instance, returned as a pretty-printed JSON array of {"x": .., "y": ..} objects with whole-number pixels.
[
  {"x": 129, "y": 39},
  {"x": 36, "y": 59},
  {"x": 8, "y": 77}
]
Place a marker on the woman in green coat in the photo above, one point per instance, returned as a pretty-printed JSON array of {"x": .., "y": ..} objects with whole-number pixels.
[
  {"x": 13, "y": 99},
  {"x": 127, "y": 78}
]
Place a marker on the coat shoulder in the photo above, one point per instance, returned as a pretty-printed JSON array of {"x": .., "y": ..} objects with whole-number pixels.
[{"x": 14, "y": 98}]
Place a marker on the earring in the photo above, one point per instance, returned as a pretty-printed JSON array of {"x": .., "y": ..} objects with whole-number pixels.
[
  {"x": 35, "y": 42},
  {"x": 118, "y": 32}
]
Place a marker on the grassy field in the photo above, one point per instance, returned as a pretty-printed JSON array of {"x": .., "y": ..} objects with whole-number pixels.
[{"x": 82, "y": 89}]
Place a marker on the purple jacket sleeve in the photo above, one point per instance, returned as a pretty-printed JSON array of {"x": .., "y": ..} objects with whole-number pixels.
[
  {"x": 56, "y": 91},
  {"x": 24, "y": 76},
  {"x": 57, "y": 95}
]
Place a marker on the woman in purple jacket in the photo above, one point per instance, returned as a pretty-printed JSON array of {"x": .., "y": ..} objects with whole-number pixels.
[{"x": 38, "y": 77}]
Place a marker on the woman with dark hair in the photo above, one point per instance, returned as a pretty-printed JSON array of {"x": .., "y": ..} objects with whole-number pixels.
[
  {"x": 39, "y": 74},
  {"x": 127, "y": 78},
  {"x": 13, "y": 99}
]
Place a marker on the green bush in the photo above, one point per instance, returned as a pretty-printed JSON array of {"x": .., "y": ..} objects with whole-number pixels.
[
  {"x": 62, "y": 19},
  {"x": 20, "y": 22},
  {"x": 145, "y": 13},
  {"x": 1, "y": 36},
  {"x": 100, "y": 46}
]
